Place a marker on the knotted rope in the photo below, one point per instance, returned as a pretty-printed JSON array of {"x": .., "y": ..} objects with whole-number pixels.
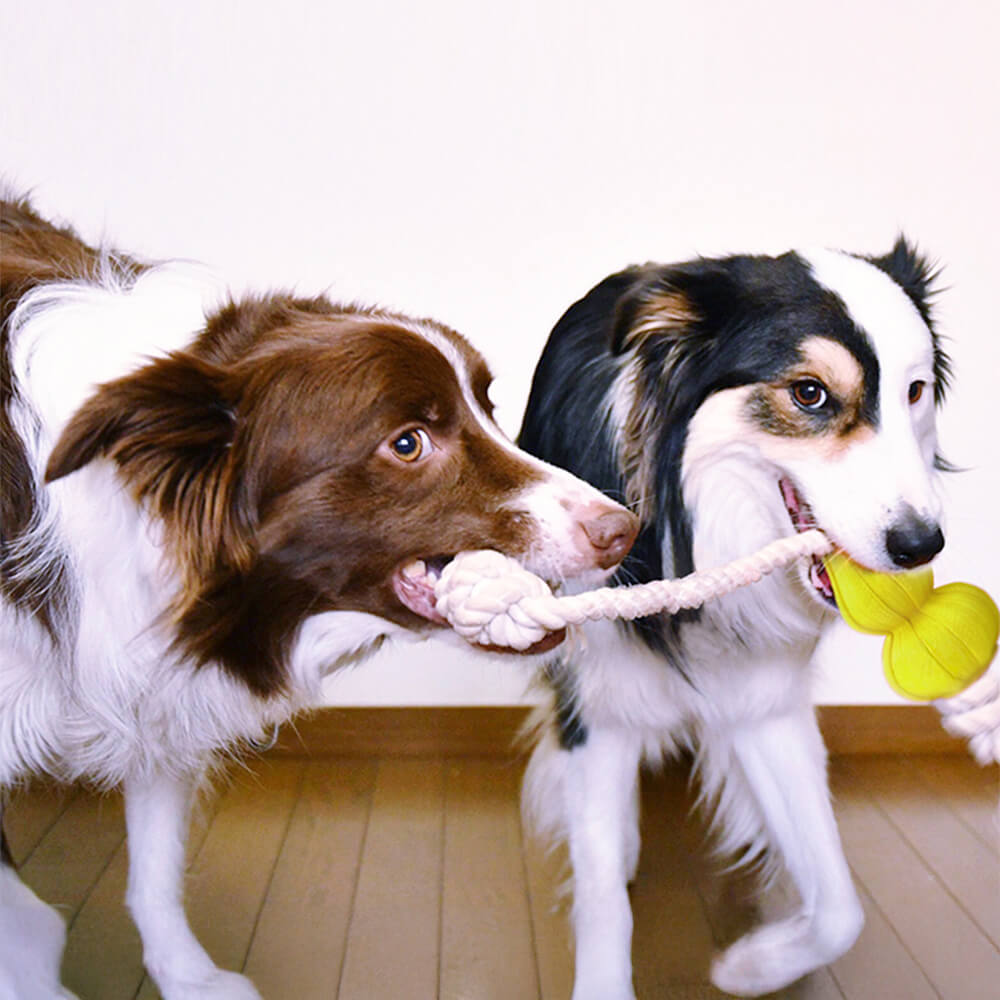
[{"x": 490, "y": 600}]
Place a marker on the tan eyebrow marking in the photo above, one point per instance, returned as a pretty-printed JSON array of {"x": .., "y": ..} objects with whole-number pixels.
[
  {"x": 770, "y": 406},
  {"x": 835, "y": 366}
]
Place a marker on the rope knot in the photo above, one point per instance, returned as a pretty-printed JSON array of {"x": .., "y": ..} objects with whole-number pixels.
[{"x": 489, "y": 599}]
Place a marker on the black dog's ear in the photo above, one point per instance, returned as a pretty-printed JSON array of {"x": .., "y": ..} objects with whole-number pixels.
[
  {"x": 918, "y": 276},
  {"x": 913, "y": 271},
  {"x": 653, "y": 307}
]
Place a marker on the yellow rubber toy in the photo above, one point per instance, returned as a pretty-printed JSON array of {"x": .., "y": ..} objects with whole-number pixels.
[{"x": 938, "y": 640}]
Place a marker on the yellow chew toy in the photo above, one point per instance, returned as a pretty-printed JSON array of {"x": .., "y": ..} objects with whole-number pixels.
[{"x": 938, "y": 640}]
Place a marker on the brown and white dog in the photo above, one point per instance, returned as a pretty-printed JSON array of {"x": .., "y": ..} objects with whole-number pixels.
[{"x": 205, "y": 509}]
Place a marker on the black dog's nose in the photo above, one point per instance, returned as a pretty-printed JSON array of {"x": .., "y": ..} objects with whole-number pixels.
[{"x": 912, "y": 541}]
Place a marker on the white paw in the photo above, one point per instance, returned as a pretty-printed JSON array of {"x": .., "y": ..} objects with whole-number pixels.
[
  {"x": 220, "y": 985},
  {"x": 775, "y": 955}
]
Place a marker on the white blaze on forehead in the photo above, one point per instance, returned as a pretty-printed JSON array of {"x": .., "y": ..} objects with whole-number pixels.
[
  {"x": 556, "y": 500},
  {"x": 879, "y": 306},
  {"x": 459, "y": 363}
]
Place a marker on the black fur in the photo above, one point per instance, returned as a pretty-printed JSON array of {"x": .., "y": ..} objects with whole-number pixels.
[
  {"x": 570, "y": 727},
  {"x": 738, "y": 320},
  {"x": 919, "y": 278},
  {"x": 6, "y": 858}
]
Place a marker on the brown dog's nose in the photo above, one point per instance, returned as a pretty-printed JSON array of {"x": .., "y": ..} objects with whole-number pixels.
[{"x": 611, "y": 534}]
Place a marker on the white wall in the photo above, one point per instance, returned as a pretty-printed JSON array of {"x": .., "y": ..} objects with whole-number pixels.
[{"x": 486, "y": 163}]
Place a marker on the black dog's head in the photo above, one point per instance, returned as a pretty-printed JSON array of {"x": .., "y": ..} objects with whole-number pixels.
[{"x": 805, "y": 384}]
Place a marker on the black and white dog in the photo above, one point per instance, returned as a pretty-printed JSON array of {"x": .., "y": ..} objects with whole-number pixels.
[{"x": 730, "y": 402}]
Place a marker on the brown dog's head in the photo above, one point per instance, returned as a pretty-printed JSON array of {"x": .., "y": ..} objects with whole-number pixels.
[{"x": 300, "y": 456}]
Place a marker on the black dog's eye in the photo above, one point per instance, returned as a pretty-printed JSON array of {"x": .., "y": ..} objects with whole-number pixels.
[
  {"x": 411, "y": 445},
  {"x": 916, "y": 390},
  {"x": 810, "y": 394}
]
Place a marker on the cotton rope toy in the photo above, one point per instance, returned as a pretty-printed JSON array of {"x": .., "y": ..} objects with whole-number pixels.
[{"x": 938, "y": 641}]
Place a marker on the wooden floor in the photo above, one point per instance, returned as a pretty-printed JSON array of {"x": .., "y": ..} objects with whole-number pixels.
[{"x": 410, "y": 879}]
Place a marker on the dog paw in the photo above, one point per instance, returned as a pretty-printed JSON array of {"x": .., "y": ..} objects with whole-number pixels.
[
  {"x": 220, "y": 985},
  {"x": 754, "y": 965},
  {"x": 776, "y": 955}
]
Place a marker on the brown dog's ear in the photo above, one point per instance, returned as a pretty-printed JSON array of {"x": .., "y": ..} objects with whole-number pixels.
[
  {"x": 173, "y": 408},
  {"x": 170, "y": 429}
]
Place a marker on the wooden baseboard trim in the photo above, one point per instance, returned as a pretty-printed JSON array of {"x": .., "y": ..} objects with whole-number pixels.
[
  {"x": 851, "y": 729},
  {"x": 452, "y": 731},
  {"x": 492, "y": 731}
]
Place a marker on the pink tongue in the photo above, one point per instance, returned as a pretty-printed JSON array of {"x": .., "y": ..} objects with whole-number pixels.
[
  {"x": 793, "y": 503},
  {"x": 821, "y": 579},
  {"x": 418, "y": 596},
  {"x": 788, "y": 492}
]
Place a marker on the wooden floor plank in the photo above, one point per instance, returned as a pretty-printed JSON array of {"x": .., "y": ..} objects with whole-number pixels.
[
  {"x": 232, "y": 871},
  {"x": 964, "y": 865},
  {"x": 392, "y": 944},
  {"x": 409, "y": 878},
  {"x": 547, "y": 869},
  {"x": 970, "y": 791},
  {"x": 954, "y": 954},
  {"x": 298, "y": 946},
  {"x": 70, "y": 858},
  {"x": 672, "y": 937},
  {"x": 103, "y": 959},
  {"x": 486, "y": 945},
  {"x": 228, "y": 879},
  {"x": 879, "y": 964},
  {"x": 31, "y": 813}
]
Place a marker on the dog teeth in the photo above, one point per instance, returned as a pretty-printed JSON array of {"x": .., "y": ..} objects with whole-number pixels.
[{"x": 415, "y": 570}]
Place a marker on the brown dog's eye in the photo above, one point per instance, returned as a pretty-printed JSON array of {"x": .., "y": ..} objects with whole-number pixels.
[
  {"x": 810, "y": 394},
  {"x": 411, "y": 445},
  {"x": 916, "y": 391}
]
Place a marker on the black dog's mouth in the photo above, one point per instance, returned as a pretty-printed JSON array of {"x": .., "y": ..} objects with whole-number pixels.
[
  {"x": 414, "y": 583},
  {"x": 803, "y": 520}
]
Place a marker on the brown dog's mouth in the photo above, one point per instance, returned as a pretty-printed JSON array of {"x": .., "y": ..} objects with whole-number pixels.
[
  {"x": 803, "y": 519},
  {"x": 413, "y": 584}
]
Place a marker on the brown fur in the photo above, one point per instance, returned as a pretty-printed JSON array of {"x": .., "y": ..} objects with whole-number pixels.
[
  {"x": 33, "y": 251},
  {"x": 264, "y": 452},
  {"x": 660, "y": 311},
  {"x": 262, "y": 449}
]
